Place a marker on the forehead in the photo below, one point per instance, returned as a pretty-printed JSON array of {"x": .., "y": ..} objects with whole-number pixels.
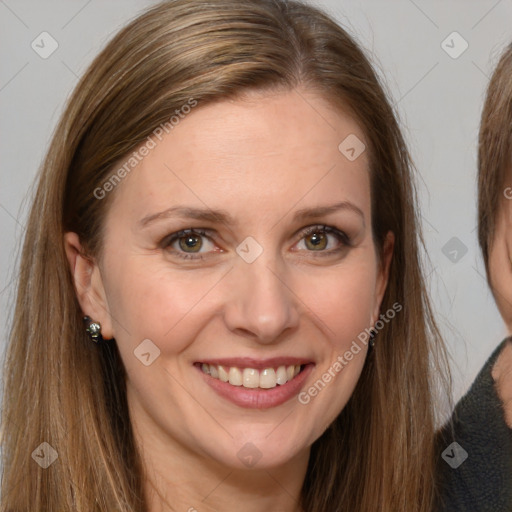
[
  {"x": 266, "y": 147},
  {"x": 293, "y": 123}
]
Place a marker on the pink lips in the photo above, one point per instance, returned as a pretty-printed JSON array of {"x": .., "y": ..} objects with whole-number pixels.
[{"x": 258, "y": 398}]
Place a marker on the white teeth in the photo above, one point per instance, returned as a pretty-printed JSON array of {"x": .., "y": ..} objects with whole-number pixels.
[
  {"x": 214, "y": 372},
  {"x": 268, "y": 378},
  {"x": 251, "y": 378},
  {"x": 281, "y": 375},
  {"x": 235, "y": 376},
  {"x": 223, "y": 374}
]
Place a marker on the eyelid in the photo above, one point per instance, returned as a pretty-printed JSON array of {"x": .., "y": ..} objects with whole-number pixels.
[
  {"x": 326, "y": 229},
  {"x": 168, "y": 240},
  {"x": 182, "y": 232}
]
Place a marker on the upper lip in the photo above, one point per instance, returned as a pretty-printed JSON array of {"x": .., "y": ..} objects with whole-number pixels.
[{"x": 257, "y": 364}]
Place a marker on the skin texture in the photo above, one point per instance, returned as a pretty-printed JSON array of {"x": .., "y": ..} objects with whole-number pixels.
[
  {"x": 500, "y": 266},
  {"x": 261, "y": 159}
]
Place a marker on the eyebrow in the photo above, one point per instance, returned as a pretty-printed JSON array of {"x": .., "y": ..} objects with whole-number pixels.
[{"x": 222, "y": 216}]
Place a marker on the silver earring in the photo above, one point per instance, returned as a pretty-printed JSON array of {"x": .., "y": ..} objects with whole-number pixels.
[
  {"x": 373, "y": 334},
  {"x": 93, "y": 330}
]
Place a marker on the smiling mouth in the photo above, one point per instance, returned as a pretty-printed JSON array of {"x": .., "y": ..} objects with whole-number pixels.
[{"x": 251, "y": 378}]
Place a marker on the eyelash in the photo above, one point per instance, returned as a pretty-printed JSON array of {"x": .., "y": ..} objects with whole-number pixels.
[{"x": 319, "y": 228}]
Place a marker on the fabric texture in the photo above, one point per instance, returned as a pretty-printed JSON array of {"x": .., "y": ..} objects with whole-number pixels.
[{"x": 475, "y": 475}]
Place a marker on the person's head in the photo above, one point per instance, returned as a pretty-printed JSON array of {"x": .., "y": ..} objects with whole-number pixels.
[
  {"x": 255, "y": 112},
  {"x": 495, "y": 185}
]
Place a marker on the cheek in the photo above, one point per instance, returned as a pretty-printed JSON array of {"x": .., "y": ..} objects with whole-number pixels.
[
  {"x": 148, "y": 301},
  {"x": 344, "y": 303},
  {"x": 344, "y": 300}
]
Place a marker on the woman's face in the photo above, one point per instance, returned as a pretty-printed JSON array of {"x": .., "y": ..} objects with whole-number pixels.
[{"x": 280, "y": 271}]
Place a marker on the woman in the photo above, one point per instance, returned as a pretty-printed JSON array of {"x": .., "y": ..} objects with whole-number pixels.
[
  {"x": 228, "y": 202},
  {"x": 476, "y": 472}
]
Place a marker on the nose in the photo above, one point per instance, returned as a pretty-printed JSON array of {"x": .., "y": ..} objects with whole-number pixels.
[{"x": 261, "y": 304}]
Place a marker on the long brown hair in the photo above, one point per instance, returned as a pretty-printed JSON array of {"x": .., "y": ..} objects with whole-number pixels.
[{"x": 62, "y": 389}]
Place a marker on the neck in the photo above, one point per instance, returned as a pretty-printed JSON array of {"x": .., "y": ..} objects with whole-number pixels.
[{"x": 258, "y": 491}]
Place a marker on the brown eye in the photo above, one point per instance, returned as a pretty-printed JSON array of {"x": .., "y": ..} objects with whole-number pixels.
[
  {"x": 316, "y": 241},
  {"x": 324, "y": 240},
  {"x": 190, "y": 243}
]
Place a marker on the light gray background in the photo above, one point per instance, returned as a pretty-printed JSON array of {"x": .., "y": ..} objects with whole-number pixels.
[{"x": 439, "y": 99}]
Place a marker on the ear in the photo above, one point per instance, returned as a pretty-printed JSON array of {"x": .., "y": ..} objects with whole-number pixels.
[
  {"x": 500, "y": 263},
  {"x": 88, "y": 282},
  {"x": 383, "y": 274}
]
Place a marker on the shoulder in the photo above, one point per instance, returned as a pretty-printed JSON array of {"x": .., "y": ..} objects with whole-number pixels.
[{"x": 475, "y": 449}]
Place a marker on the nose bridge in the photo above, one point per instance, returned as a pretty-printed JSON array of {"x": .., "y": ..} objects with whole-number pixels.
[{"x": 261, "y": 302}]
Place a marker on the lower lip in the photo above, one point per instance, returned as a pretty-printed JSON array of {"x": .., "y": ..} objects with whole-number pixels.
[{"x": 259, "y": 398}]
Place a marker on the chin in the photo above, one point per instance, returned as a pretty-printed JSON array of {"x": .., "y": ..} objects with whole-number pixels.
[{"x": 256, "y": 452}]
